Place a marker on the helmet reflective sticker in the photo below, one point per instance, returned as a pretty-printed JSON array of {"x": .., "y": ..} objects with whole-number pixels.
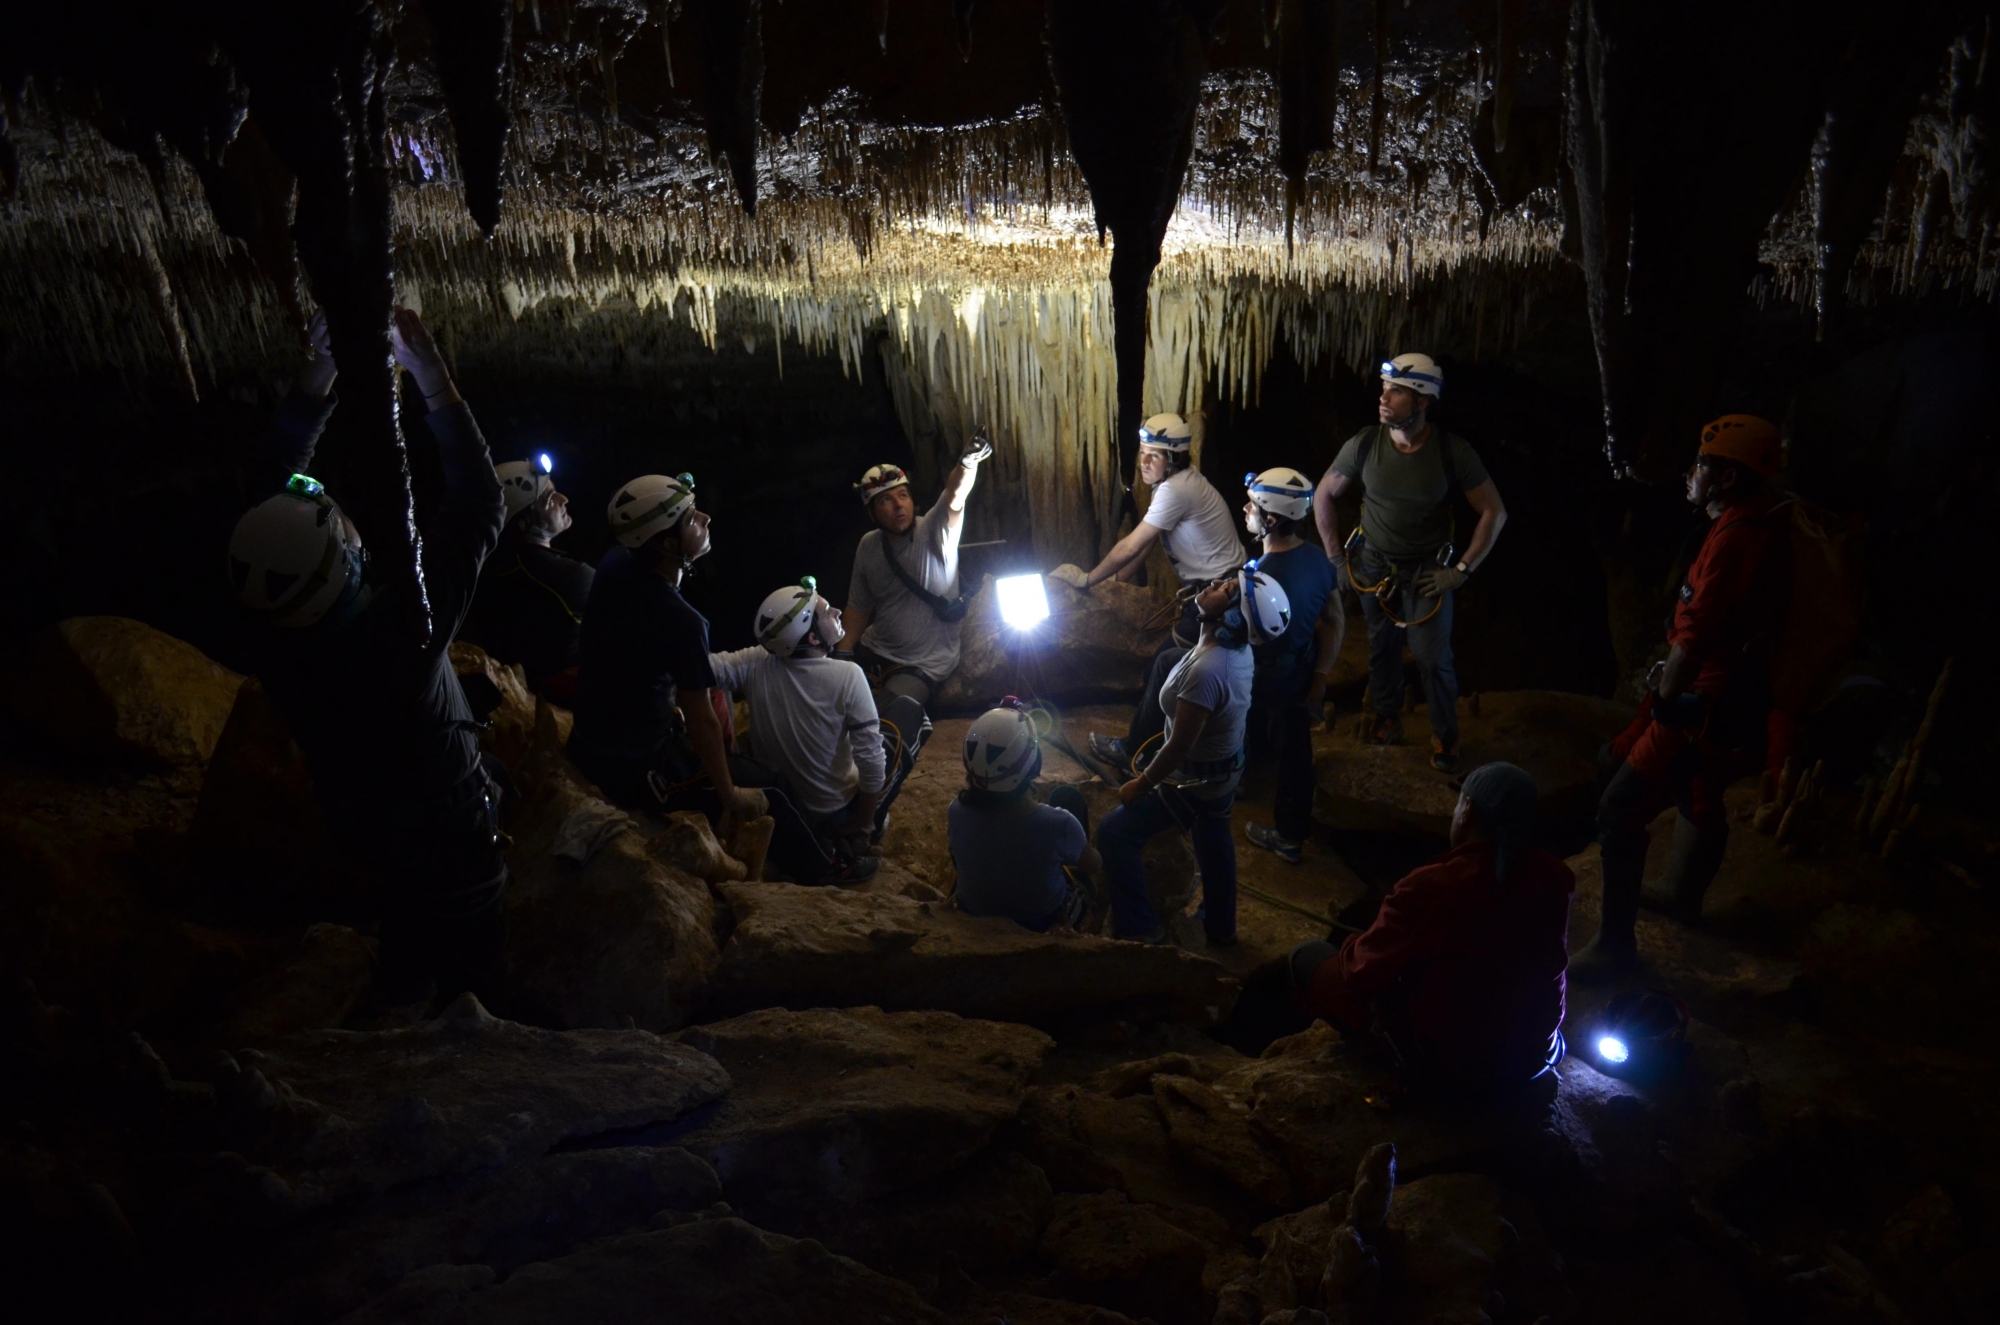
[
  {"x": 1284, "y": 492},
  {"x": 648, "y": 505},
  {"x": 1418, "y": 372},
  {"x": 787, "y": 616},
  {"x": 1166, "y": 432},
  {"x": 1002, "y": 749}
]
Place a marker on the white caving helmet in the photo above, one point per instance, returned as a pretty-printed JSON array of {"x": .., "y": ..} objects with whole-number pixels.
[
  {"x": 787, "y": 617},
  {"x": 1281, "y": 491},
  {"x": 522, "y": 482},
  {"x": 1418, "y": 372},
  {"x": 1267, "y": 611},
  {"x": 1168, "y": 432},
  {"x": 1002, "y": 748},
  {"x": 296, "y": 555},
  {"x": 647, "y": 505},
  {"x": 878, "y": 480}
]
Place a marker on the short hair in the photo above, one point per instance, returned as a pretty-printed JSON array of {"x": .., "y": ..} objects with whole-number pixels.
[{"x": 1279, "y": 525}]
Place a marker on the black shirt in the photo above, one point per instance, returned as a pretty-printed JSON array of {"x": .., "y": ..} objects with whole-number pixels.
[
  {"x": 529, "y": 607},
  {"x": 383, "y": 723},
  {"x": 641, "y": 644}
]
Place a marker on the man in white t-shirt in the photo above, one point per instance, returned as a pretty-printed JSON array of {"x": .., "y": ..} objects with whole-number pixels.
[
  {"x": 903, "y": 606},
  {"x": 1193, "y": 523}
]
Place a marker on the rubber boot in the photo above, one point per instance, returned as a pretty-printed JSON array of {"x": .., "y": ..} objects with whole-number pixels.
[
  {"x": 1615, "y": 950},
  {"x": 1692, "y": 864}
]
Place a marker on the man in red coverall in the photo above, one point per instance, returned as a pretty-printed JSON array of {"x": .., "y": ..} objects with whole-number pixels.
[
  {"x": 1702, "y": 725},
  {"x": 1463, "y": 967}
]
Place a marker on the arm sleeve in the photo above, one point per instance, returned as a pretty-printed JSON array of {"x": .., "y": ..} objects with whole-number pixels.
[
  {"x": 864, "y": 731},
  {"x": 940, "y": 532},
  {"x": 1370, "y": 962},
  {"x": 732, "y": 670},
  {"x": 466, "y": 526},
  {"x": 1720, "y": 580},
  {"x": 1070, "y": 837},
  {"x": 687, "y": 650},
  {"x": 1348, "y": 460},
  {"x": 858, "y": 593},
  {"x": 294, "y": 434},
  {"x": 1165, "y": 510},
  {"x": 1471, "y": 469}
]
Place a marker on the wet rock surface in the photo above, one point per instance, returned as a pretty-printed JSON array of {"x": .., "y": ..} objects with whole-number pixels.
[{"x": 1094, "y": 646}]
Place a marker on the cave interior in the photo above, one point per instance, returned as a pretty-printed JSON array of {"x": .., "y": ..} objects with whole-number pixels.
[{"x": 772, "y": 243}]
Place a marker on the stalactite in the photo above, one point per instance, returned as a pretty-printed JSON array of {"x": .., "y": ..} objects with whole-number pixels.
[
  {"x": 1308, "y": 92},
  {"x": 732, "y": 55},
  {"x": 473, "y": 44}
]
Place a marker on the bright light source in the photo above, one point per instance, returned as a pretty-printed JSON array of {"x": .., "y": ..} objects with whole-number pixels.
[
  {"x": 548, "y": 465},
  {"x": 1612, "y": 1049},
  {"x": 1024, "y": 603}
]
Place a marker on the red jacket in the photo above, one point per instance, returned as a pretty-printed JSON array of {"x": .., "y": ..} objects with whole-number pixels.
[
  {"x": 1474, "y": 970},
  {"x": 1733, "y": 591}
]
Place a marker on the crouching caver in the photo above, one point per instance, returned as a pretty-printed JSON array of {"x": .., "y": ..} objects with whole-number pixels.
[
  {"x": 1702, "y": 724},
  {"x": 1016, "y": 856},
  {"x": 813, "y": 724},
  {"x": 384, "y": 725},
  {"x": 1462, "y": 970},
  {"x": 1191, "y": 783}
]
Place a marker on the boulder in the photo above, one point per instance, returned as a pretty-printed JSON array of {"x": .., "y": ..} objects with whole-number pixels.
[
  {"x": 820, "y": 947},
  {"x": 620, "y": 939},
  {"x": 1094, "y": 645},
  {"x": 330, "y": 1114},
  {"x": 109, "y": 689},
  {"x": 498, "y": 695},
  {"x": 1129, "y": 1256},
  {"x": 1554, "y": 735},
  {"x": 313, "y": 989},
  {"x": 830, "y": 1108},
  {"x": 719, "y": 1271},
  {"x": 987, "y": 1215},
  {"x": 534, "y": 1211}
]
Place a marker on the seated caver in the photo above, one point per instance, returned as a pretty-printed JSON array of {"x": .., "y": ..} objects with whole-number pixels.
[
  {"x": 1464, "y": 964},
  {"x": 813, "y": 721},
  {"x": 529, "y": 605},
  {"x": 1016, "y": 856}
]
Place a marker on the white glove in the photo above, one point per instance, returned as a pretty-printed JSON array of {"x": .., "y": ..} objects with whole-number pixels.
[{"x": 1076, "y": 577}]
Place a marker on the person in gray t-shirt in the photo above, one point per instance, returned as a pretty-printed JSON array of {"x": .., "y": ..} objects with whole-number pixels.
[
  {"x": 1407, "y": 565},
  {"x": 1191, "y": 782},
  {"x": 902, "y": 602}
]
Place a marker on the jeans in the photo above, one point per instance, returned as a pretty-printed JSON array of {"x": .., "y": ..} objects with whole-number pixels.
[
  {"x": 1122, "y": 838},
  {"x": 1430, "y": 641},
  {"x": 1287, "y": 727}
]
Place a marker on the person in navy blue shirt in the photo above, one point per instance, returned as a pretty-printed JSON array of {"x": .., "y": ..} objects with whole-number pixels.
[{"x": 1289, "y": 687}]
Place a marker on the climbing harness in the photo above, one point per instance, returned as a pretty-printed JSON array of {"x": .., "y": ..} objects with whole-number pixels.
[{"x": 1392, "y": 581}]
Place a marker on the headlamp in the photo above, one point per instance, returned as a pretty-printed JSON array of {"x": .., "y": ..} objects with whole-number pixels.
[
  {"x": 1640, "y": 1033},
  {"x": 544, "y": 465},
  {"x": 305, "y": 485}
]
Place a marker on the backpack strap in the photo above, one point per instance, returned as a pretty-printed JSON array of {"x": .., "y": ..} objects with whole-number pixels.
[{"x": 941, "y": 607}]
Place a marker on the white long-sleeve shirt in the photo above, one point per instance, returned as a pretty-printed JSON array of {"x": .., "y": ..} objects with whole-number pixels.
[{"x": 811, "y": 719}]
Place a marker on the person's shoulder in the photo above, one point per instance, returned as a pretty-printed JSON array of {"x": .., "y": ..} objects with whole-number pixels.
[{"x": 1549, "y": 870}]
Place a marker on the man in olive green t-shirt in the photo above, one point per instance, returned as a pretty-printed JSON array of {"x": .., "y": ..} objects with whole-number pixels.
[{"x": 1408, "y": 470}]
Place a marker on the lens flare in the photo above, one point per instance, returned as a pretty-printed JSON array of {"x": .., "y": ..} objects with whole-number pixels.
[
  {"x": 1612, "y": 1049},
  {"x": 1024, "y": 603}
]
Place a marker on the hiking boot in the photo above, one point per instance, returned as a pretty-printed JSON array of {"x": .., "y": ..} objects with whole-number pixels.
[
  {"x": 1111, "y": 750},
  {"x": 1444, "y": 758},
  {"x": 851, "y": 870},
  {"x": 1274, "y": 842},
  {"x": 1383, "y": 729},
  {"x": 1692, "y": 863}
]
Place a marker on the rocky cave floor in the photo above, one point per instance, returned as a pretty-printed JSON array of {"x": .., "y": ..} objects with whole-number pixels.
[{"x": 705, "y": 1099}]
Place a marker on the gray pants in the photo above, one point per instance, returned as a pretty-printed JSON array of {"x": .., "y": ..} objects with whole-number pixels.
[
  {"x": 896, "y": 678},
  {"x": 1429, "y": 640}
]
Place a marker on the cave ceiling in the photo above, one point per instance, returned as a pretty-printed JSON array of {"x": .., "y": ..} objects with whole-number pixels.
[{"x": 1047, "y": 214}]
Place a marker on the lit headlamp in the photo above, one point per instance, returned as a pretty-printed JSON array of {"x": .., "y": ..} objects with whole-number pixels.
[
  {"x": 306, "y": 486},
  {"x": 543, "y": 465},
  {"x": 1640, "y": 1033}
]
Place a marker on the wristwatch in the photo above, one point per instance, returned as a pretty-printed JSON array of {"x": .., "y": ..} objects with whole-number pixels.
[{"x": 1462, "y": 568}]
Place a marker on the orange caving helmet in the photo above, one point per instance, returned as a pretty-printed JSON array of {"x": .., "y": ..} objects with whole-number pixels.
[{"x": 1751, "y": 442}]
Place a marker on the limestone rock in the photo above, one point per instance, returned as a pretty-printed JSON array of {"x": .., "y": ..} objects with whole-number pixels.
[
  {"x": 622, "y": 939},
  {"x": 714, "y": 1271},
  {"x": 820, "y": 947},
  {"x": 1108, "y": 1249},
  {"x": 499, "y": 693},
  {"x": 988, "y": 1215},
  {"x": 1555, "y": 736},
  {"x": 830, "y": 1108},
  {"x": 1094, "y": 645},
  {"x": 330, "y": 1114},
  {"x": 531, "y": 1212},
  {"x": 110, "y": 689},
  {"x": 1456, "y": 1244},
  {"x": 689, "y": 846},
  {"x": 313, "y": 989}
]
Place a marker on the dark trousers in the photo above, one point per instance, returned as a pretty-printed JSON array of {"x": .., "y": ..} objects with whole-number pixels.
[
  {"x": 1430, "y": 641},
  {"x": 443, "y": 922},
  {"x": 672, "y": 781},
  {"x": 1286, "y": 725},
  {"x": 1122, "y": 839}
]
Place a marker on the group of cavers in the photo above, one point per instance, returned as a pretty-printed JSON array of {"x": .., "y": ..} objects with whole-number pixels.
[{"x": 1463, "y": 969}]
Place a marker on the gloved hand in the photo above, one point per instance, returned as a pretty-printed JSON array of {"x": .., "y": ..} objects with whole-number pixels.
[
  {"x": 1441, "y": 580},
  {"x": 1342, "y": 581},
  {"x": 976, "y": 450},
  {"x": 1076, "y": 577}
]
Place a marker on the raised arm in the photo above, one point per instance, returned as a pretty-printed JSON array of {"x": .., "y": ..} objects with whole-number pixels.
[
  {"x": 467, "y": 524},
  {"x": 293, "y": 436}
]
